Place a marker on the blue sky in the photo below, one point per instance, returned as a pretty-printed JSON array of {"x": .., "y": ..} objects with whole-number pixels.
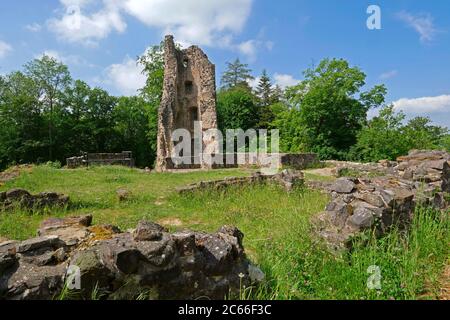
[{"x": 99, "y": 40}]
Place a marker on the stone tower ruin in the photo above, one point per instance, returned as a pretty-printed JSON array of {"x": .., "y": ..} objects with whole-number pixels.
[{"x": 189, "y": 95}]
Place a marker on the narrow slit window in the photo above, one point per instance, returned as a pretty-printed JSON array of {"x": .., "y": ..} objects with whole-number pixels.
[
  {"x": 188, "y": 87},
  {"x": 194, "y": 114}
]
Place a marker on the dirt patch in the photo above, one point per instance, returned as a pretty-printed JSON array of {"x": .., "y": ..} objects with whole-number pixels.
[
  {"x": 160, "y": 201},
  {"x": 445, "y": 284},
  {"x": 323, "y": 172},
  {"x": 13, "y": 173},
  {"x": 171, "y": 222}
]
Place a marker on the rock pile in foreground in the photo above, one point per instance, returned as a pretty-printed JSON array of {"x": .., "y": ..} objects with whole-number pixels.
[
  {"x": 23, "y": 199},
  {"x": 122, "y": 265},
  {"x": 358, "y": 204}
]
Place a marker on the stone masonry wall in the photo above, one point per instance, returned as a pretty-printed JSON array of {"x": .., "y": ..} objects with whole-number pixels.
[{"x": 189, "y": 95}]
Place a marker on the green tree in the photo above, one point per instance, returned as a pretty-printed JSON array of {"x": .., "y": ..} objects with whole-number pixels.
[
  {"x": 80, "y": 123},
  {"x": 21, "y": 120},
  {"x": 153, "y": 62},
  {"x": 236, "y": 109},
  {"x": 421, "y": 134},
  {"x": 52, "y": 78},
  {"x": 131, "y": 125},
  {"x": 382, "y": 138},
  {"x": 292, "y": 133},
  {"x": 445, "y": 143},
  {"x": 267, "y": 95},
  {"x": 100, "y": 116},
  {"x": 332, "y": 108},
  {"x": 236, "y": 74},
  {"x": 264, "y": 90},
  {"x": 387, "y": 137}
]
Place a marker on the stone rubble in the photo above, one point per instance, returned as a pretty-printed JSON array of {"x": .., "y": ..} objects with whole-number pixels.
[
  {"x": 23, "y": 199},
  {"x": 358, "y": 204},
  {"x": 121, "y": 265}
]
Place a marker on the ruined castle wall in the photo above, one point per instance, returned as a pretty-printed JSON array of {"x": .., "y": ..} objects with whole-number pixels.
[{"x": 189, "y": 95}]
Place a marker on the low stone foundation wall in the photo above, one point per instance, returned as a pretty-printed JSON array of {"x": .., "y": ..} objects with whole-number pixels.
[
  {"x": 149, "y": 261},
  {"x": 288, "y": 179},
  {"x": 23, "y": 199},
  {"x": 297, "y": 161},
  {"x": 124, "y": 158}
]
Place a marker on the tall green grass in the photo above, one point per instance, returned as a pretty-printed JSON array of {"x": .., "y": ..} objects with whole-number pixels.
[
  {"x": 276, "y": 225},
  {"x": 410, "y": 264}
]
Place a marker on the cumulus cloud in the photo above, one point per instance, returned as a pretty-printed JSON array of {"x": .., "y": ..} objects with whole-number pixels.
[
  {"x": 202, "y": 22},
  {"x": 253, "y": 83},
  {"x": 285, "y": 80},
  {"x": 125, "y": 77},
  {"x": 5, "y": 49},
  {"x": 281, "y": 80},
  {"x": 424, "y": 105},
  {"x": 423, "y": 24},
  {"x": 78, "y": 26},
  {"x": 34, "y": 27},
  {"x": 389, "y": 75},
  {"x": 250, "y": 48},
  {"x": 66, "y": 59}
]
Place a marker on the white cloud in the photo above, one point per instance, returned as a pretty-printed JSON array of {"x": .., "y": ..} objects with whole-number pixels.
[
  {"x": 202, "y": 22},
  {"x": 126, "y": 77},
  {"x": 253, "y": 83},
  {"x": 285, "y": 80},
  {"x": 77, "y": 26},
  {"x": 5, "y": 49},
  {"x": 424, "y": 105},
  {"x": 66, "y": 59},
  {"x": 281, "y": 80},
  {"x": 250, "y": 48},
  {"x": 389, "y": 75},
  {"x": 423, "y": 24},
  {"x": 34, "y": 27}
]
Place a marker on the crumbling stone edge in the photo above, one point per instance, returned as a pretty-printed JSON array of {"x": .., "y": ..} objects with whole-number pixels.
[{"x": 122, "y": 265}]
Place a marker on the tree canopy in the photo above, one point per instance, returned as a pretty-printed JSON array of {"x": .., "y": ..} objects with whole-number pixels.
[
  {"x": 332, "y": 108},
  {"x": 236, "y": 74}
]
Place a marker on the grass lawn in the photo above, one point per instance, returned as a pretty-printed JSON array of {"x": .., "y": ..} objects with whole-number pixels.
[{"x": 275, "y": 224}]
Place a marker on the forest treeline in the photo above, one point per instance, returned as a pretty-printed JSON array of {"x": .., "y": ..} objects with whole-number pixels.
[{"x": 46, "y": 115}]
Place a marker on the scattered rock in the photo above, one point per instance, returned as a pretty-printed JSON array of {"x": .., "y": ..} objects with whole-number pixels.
[
  {"x": 22, "y": 198},
  {"x": 123, "y": 195},
  {"x": 70, "y": 230},
  {"x": 46, "y": 242},
  {"x": 183, "y": 265},
  {"x": 422, "y": 177},
  {"x": 7, "y": 259},
  {"x": 148, "y": 231},
  {"x": 343, "y": 185}
]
